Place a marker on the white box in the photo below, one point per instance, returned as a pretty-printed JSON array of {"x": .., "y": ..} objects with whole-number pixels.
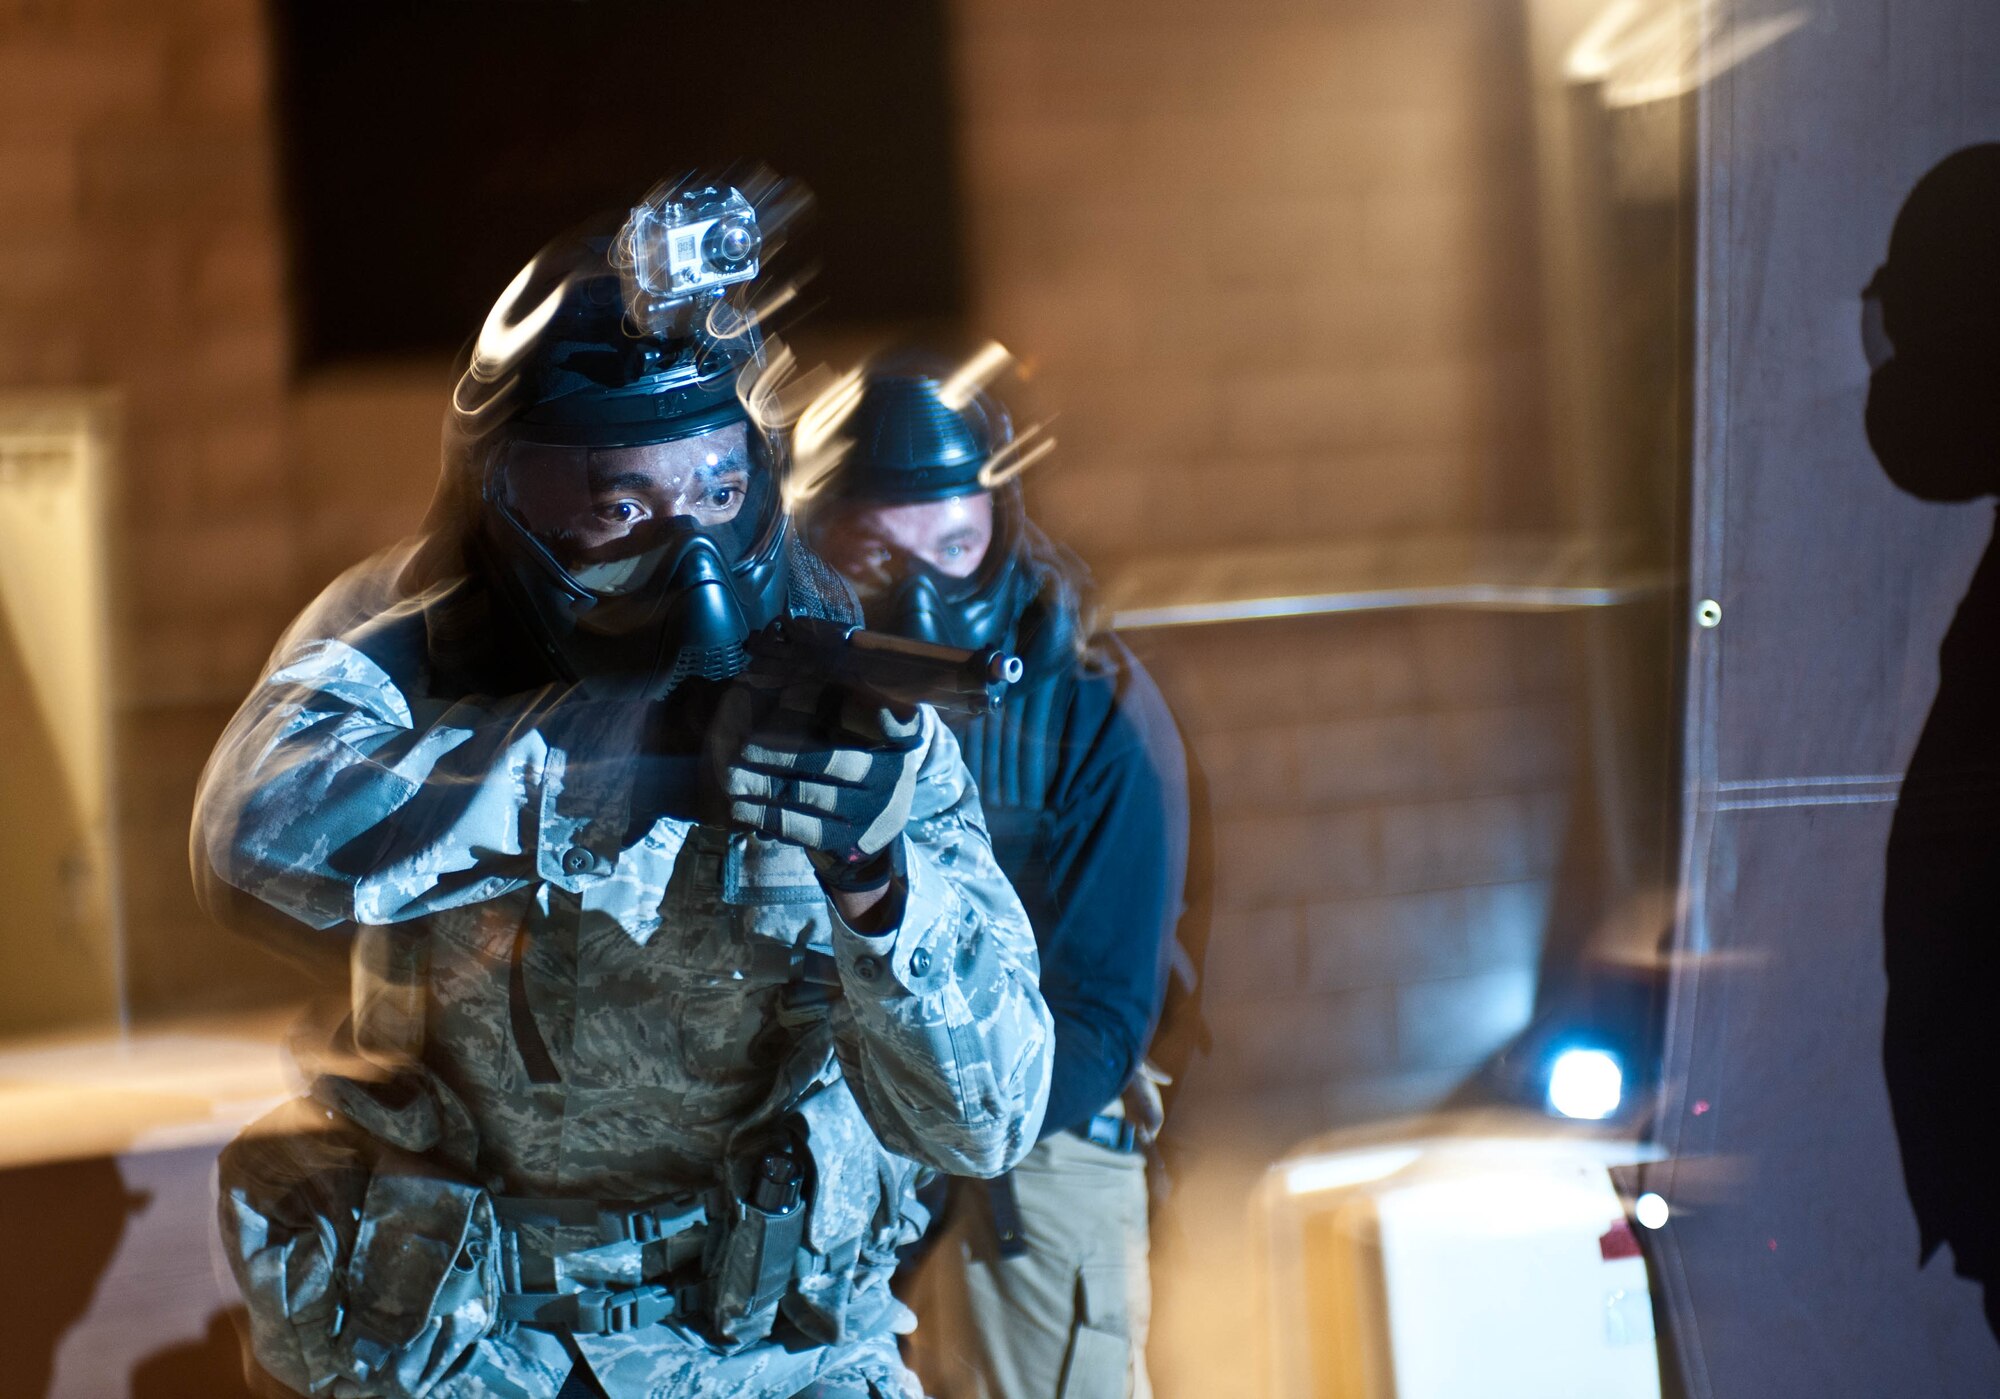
[{"x": 1458, "y": 1268}]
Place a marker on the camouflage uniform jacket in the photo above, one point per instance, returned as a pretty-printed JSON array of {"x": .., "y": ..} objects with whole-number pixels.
[{"x": 596, "y": 992}]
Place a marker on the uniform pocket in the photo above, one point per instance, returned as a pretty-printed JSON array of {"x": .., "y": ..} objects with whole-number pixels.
[
  {"x": 423, "y": 1284},
  {"x": 1099, "y": 1362},
  {"x": 290, "y": 1192}
]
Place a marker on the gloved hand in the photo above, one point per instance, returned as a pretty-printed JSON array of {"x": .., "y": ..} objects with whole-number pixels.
[{"x": 821, "y": 767}]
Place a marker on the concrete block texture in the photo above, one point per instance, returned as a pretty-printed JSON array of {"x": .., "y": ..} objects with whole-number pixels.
[
  {"x": 153, "y": 174},
  {"x": 1273, "y": 861},
  {"x": 1268, "y": 266},
  {"x": 1458, "y": 841},
  {"x": 1385, "y": 941},
  {"x": 60, "y": 83},
  {"x": 1448, "y": 1024},
  {"x": 140, "y": 251},
  {"x": 38, "y": 182},
  {"x": 1306, "y": 1040},
  {"x": 1255, "y": 956}
]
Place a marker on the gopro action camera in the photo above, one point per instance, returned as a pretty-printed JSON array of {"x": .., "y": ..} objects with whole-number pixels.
[{"x": 687, "y": 243}]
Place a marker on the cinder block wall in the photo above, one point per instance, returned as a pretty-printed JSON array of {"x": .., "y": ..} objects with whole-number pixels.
[
  {"x": 1273, "y": 262},
  {"x": 140, "y": 251},
  {"x": 1389, "y": 793},
  {"x": 1272, "y": 265}
]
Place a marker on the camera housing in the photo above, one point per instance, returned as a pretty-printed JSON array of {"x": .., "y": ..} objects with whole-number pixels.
[{"x": 690, "y": 243}]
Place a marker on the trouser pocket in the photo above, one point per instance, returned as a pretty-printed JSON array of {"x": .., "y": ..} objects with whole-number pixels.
[{"x": 1098, "y": 1364}]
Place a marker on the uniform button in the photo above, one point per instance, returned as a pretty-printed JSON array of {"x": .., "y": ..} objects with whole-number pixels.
[
  {"x": 575, "y": 861},
  {"x": 867, "y": 968},
  {"x": 920, "y": 961},
  {"x": 949, "y": 856}
]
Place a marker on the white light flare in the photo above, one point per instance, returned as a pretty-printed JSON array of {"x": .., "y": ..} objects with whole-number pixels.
[
  {"x": 1650, "y": 1210},
  {"x": 1016, "y": 457},
  {"x": 817, "y": 446},
  {"x": 1586, "y": 1083},
  {"x": 503, "y": 340},
  {"x": 1347, "y": 1170},
  {"x": 1654, "y": 50}
]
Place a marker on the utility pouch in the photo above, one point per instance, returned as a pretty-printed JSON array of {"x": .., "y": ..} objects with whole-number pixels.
[
  {"x": 423, "y": 1285},
  {"x": 1100, "y": 1357},
  {"x": 760, "y": 1250},
  {"x": 289, "y": 1203},
  {"x": 862, "y": 1209}
]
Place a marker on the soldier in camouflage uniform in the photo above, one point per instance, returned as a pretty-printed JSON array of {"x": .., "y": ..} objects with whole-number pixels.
[{"x": 668, "y": 982}]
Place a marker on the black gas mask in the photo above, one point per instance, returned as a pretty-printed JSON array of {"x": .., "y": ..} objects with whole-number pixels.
[
  {"x": 976, "y": 612},
  {"x": 626, "y": 501},
  {"x": 913, "y": 441},
  {"x": 638, "y": 567}
]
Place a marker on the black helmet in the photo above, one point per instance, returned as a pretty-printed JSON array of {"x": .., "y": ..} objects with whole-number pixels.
[
  {"x": 608, "y": 408},
  {"x": 910, "y": 446}
]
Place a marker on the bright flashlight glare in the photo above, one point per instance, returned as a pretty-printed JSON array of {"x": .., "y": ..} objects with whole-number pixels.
[
  {"x": 1651, "y": 1210},
  {"x": 1585, "y": 1083}
]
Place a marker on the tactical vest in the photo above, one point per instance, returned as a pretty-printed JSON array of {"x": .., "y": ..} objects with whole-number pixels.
[
  {"x": 1013, "y": 754},
  {"x": 369, "y": 1253}
]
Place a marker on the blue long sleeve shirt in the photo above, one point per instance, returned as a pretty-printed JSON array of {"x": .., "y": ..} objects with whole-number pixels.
[{"x": 1083, "y": 779}]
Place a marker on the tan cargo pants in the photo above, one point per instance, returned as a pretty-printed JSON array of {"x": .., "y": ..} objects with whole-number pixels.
[{"x": 1065, "y": 1320}]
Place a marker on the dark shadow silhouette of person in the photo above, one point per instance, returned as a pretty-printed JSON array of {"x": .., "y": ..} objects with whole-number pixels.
[
  {"x": 209, "y": 1368},
  {"x": 61, "y": 1223},
  {"x": 1931, "y": 323}
]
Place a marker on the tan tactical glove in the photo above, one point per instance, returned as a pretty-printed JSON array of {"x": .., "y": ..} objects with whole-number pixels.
[{"x": 821, "y": 767}]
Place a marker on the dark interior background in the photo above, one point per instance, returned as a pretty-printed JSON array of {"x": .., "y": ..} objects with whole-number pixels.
[{"x": 428, "y": 147}]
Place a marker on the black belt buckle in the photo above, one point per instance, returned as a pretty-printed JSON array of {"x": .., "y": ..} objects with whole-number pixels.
[
  {"x": 649, "y": 1223},
  {"x": 603, "y": 1311},
  {"x": 1112, "y": 1133},
  {"x": 607, "y": 1313}
]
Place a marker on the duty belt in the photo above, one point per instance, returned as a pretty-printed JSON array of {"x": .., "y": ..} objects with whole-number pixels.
[
  {"x": 645, "y": 1243},
  {"x": 603, "y": 1311}
]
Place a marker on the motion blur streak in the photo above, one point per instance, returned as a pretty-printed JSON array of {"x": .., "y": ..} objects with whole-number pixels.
[
  {"x": 975, "y": 374},
  {"x": 1649, "y": 51},
  {"x": 816, "y": 446},
  {"x": 503, "y": 338},
  {"x": 1030, "y": 446}
]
